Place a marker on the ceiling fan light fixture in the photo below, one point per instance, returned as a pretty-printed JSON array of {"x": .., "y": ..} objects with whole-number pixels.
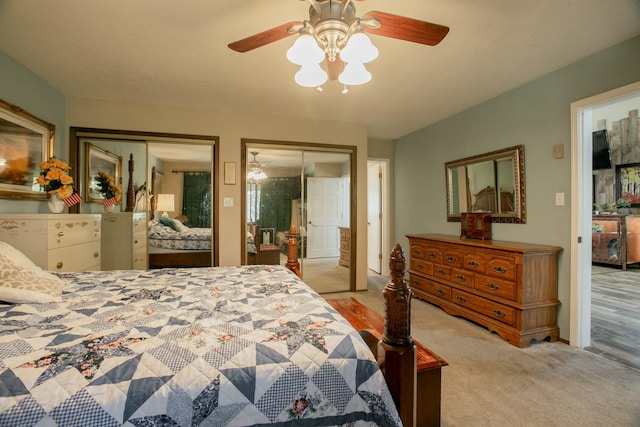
[
  {"x": 311, "y": 75},
  {"x": 359, "y": 49},
  {"x": 305, "y": 51},
  {"x": 354, "y": 74}
]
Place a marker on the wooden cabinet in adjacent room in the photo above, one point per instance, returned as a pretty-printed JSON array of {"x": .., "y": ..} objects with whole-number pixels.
[
  {"x": 345, "y": 247},
  {"x": 510, "y": 288},
  {"x": 55, "y": 242},
  {"x": 615, "y": 239},
  {"x": 124, "y": 241}
]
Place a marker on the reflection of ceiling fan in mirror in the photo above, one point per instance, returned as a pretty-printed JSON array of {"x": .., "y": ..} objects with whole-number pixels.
[
  {"x": 333, "y": 31},
  {"x": 255, "y": 169}
]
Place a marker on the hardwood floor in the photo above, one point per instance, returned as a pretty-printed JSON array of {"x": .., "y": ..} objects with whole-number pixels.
[{"x": 615, "y": 314}]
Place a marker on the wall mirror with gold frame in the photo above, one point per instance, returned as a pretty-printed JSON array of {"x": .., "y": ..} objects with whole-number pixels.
[
  {"x": 491, "y": 182},
  {"x": 100, "y": 160}
]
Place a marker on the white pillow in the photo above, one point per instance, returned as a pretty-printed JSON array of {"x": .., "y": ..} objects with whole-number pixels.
[
  {"x": 15, "y": 256},
  {"x": 21, "y": 281}
]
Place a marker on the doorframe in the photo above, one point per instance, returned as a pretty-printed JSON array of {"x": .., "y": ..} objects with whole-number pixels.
[
  {"x": 385, "y": 239},
  {"x": 581, "y": 208}
]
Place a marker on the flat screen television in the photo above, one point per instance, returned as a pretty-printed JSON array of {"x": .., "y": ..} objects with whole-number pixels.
[{"x": 601, "y": 150}]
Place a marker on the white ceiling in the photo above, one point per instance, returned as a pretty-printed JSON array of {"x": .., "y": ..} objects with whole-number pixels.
[{"x": 169, "y": 52}]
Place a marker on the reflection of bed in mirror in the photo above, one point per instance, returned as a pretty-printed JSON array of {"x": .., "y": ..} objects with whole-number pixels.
[
  {"x": 485, "y": 200},
  {"x": 261, "y": 250},
  {"x": 173, "y": 244}
]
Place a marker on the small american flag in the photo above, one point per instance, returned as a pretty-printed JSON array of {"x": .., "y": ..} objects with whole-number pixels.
[
  {"x": 74, "y": 199},
  {"x": 109, "y": 202}
]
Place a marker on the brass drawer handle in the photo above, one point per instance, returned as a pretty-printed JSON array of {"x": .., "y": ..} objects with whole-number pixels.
[
  {"x": 493, "y": 286},
  {"x": 416, "y": 252},
  {"x": 500, "y": 270},
  {"x": 440, "y": 292},
  {"x": 432, "y": 255},
  {"x": 420, "y": 266},
  {"x": 473, "y": 264},
  {"x": 461, "y": 278},
  {"x": 416, "y": 283},
  {"x": 59, "y": 265},
  {"x": 96, "y": 254},
  {"x": 60, "y": 234},
  {"x": 451, "y": 259},
  {"x": 461, "y": 299},
  {"x": 499, "y": 313},
  {"x": 441, "y": 272}
]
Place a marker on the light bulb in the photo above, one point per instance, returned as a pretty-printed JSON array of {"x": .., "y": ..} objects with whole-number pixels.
[
  {"x": 305, "y": 51},
  {"x": 354, "y": 74},
  {"x": 359, "y": 49},
  {"x": 311, "y": 75}
]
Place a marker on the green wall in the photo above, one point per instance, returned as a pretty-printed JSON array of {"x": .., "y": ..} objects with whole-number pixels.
[
  {"x": 23, "y": 88},
  {"x": 536, "y": 115}
]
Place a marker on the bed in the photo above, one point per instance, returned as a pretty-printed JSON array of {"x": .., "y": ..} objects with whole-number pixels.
[
  {"x": 237, "y": 346},
  {"x": 173, "y": 244}
]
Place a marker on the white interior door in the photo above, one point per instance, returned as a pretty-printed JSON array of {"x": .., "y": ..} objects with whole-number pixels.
[
  {"x": 324, "y": 216},
  {"x": 374, "y": 213}
]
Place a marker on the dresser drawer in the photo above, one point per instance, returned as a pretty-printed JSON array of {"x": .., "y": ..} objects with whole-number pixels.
[
  {"x": 66, "y": 232},
  {"x": 504, "y": 268},
  {"x": 430, "y": 287},
  {"x": 344, "y": 245},
  {"x": 452, "y": 258},
  {"x": 462, "y": 277},
  {"x": 442, "y": 272},
  {"x": 496, "y": 287},
  {"x": 421, "y": 265},
  {"x": 85, "y": 256},
  {"x": 484, "y": 306},
  {"x": 474, "y": 262}
]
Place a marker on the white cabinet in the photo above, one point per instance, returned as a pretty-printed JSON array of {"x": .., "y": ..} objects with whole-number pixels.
[
  {"x": 124, "y": 241},
  {"x": 55, "y": 242}
]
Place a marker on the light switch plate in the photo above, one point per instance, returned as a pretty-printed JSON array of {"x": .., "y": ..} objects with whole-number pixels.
[
  {"x": 559, "y": 199},
  {"x": 228, "y": 202},
  {"x": 558, "y": 151}
]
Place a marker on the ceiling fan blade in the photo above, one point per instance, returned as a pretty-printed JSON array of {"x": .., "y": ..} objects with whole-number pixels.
[
  {"x": 263, "y": 38},
  {"x": 402, "y": 28},
  {"x": 334, "y": 68}
]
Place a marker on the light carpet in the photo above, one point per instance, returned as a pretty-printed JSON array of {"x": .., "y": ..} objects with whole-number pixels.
[{"x": 489, "y": 382}]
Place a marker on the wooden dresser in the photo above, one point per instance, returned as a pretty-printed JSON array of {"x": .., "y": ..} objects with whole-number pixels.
[
  {"x": 345, "y": 247},
  {"x": 615, "y": 239},
  {"x": 124, "y": 241},
  {"x": 510, "y": 288},
  {"x": 55, "y": 242}
]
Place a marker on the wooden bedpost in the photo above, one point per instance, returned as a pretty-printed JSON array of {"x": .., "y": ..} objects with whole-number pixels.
[
  {"x": 292, "y": 252},
  {"x": 396, "y": 351}
]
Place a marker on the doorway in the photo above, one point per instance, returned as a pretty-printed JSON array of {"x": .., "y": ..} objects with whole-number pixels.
[
  {"x": 581, "y": 208},
  {"x": 378, "y": 219},
  {"x": 308, "y": 186}
]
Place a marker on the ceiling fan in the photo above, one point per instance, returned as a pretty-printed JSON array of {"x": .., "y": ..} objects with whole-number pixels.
[{"x": 331, "y": 25}]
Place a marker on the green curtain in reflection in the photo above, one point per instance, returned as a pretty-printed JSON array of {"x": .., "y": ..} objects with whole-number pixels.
[
  {"x": 196, "y": 198},
  {"x": 275, "y": 201}
]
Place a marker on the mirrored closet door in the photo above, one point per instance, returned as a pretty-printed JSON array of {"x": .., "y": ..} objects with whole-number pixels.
[{"x": 306, "y": 188}]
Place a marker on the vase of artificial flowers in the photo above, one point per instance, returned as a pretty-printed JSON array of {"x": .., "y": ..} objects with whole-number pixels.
[
  {"x": 111, "y": 192},
  {"x": 55, "y": 180}
]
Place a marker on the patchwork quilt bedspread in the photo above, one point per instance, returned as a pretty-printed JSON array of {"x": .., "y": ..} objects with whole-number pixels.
[
  {"x": 194, "y": 238},
  {"x": 224, "y": 346}
]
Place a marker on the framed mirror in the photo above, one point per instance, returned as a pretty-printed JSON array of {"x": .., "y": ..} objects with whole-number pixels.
[
  {"x": 100, "y": 160},
  {"x": 491, "y": 182}
]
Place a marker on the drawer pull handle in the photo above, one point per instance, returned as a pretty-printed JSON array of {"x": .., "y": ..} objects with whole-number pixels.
[
  {"x": 59, "y": 265},
  {"x": 96, "y": 254},
  {"x": 440, "y": 292},
  {"x": 416, "y": 283},
  {"x": 499, "y": 313},
  {"x": 416, "y": 252},
  {"x": 461, "y": 278},
  {"x": 432, "y": 255},
  {"x": 451, "y": 259},
  {"x": 60, "y": 233},
  {"x": 135, "y": 242},
  {"x": 493, "y": 286},
  {"x": 421, "y": 266},
  {"x": 500, "y": 270},
  {"x": 461, "y": 299},
  {"x": 441, "y": 272},
  {"x": 473, "y": 264}
]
